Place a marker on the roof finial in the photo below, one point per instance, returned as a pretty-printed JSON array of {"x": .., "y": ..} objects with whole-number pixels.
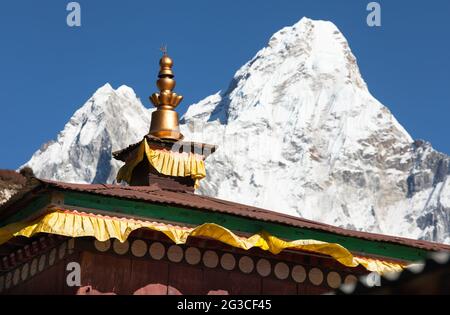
[
  {"x": 163, "y": 48},
  {"x": 165, "y": 119}
]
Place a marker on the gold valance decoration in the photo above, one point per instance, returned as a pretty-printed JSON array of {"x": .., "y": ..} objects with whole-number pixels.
[
  {"x": 79, "y": 224},
  {"x": 165, "y": 162}
]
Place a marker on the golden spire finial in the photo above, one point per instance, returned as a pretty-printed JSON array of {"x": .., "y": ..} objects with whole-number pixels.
[{"x": 165, "y": 118}]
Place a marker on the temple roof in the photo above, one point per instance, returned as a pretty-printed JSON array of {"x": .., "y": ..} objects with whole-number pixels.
[
  {"x": 155, "y": 195},
  {"x": 206, "y": 149}
]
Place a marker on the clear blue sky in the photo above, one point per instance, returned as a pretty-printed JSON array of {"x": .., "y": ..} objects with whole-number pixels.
[{"x": 48, "y": 70}]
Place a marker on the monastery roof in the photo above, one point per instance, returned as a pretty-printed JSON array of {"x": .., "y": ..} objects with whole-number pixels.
[{"x": 156, "y": 195}]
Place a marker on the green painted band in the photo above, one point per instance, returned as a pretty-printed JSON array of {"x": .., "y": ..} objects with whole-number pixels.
[{"x": 236, "y": 223}]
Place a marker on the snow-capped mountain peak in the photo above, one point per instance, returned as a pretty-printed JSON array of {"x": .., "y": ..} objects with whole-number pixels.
[
  {"x": 322, "y": 47},
  {"x": 308, "y": 56},
  {"x": 108, "y": 121},
  {"x": 300, "y": 133}
]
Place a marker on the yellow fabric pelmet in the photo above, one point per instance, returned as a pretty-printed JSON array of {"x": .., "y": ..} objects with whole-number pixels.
[
  {"x": 165, "y": 162},
  {"x": 77, "y": 224}
]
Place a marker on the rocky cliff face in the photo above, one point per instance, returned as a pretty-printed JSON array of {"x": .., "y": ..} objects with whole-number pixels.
[
  {"x": 10, "y": 183},
  {"x": 298, "y": 132}
]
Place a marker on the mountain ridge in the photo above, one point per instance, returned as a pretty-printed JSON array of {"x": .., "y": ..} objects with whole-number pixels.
[{"x": 298, "y": 132}]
